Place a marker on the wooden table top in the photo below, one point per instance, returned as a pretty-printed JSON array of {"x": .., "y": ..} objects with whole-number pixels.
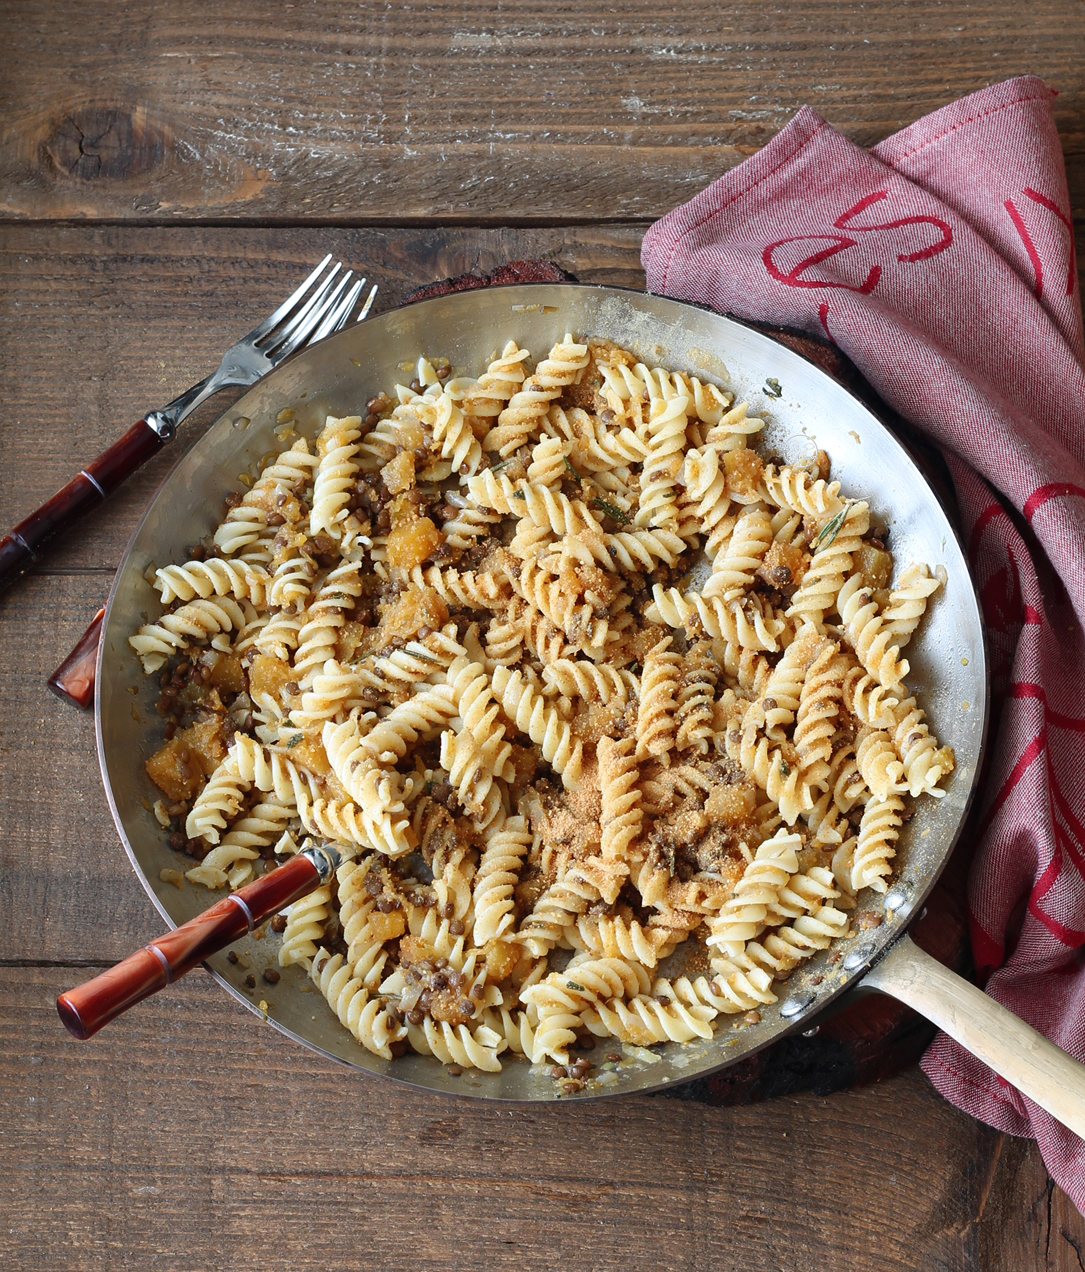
[{"x": 165, "y": 178}]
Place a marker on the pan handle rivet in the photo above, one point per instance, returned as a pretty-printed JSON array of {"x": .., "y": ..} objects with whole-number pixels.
[
  {"x": 796, "y": 1005},
  {"x": 857, "y": 957},
  {"x": 898, "y": 898}
]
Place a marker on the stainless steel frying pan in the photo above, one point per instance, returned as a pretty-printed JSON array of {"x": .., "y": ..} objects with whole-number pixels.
[{"x": 947, "y": 657}]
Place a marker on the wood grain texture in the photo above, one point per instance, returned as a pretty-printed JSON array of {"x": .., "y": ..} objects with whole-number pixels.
[
  {"x": 290, "y": 1162},
  {"x": 345, "y": 112}
]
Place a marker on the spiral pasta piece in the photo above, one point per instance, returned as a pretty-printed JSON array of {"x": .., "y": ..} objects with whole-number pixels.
[
  {"x": 546, "y": 507},
  {"x": 452, "y": 433},
  {"x": 458, "y": 1044},
  {"x": 734, "y": 429},
  {"x": 306, "y": 920},
  {"x": 869, "y": 637},
  {"x": 469, "y": 525},
  {"x": 369, "y": 1019},
  {"x": 770, "y": 768},
  {"x": 878, "y": 764},
  {"x": 325, "y": 617},
  {"x": 533, "y": 715},
  {"x": 259, "y": 828},
  {"x": 659, "y": 683},
  {"x": 478, "y": 753},
  {"x": 621, "y": 817},
  {"x": 218, "y": 802},
  {"x": 749, "y": 623},
  {"x": 200, "y": 621},
  {"x": 392, "y": 673},
  {"x": 288, "y": 474},
  {"x": 867, "y": 700},
  {"x": 576, "y": 678},
  {"x": 908, "y": 603},
  {"x": 644, "y": 1021},
  {"x": 269, "y": 770},
  {"x": 819, "y": 707},
  {"x": 706, "y": 498},
  {"x": 593, "y": 446},
  {"x": 337, "y": 447},
  {"x": 293, "y": 569},
  {"x": 498, "y": 870},
  {"x": 491, "y": 392},
  {"x": 657, "y": 506},
  {"x": 549, "y": 462},
  {"x": 213, "y": 577},
  {"x": 878, "y": 832},
  {"x": 523, "y": 417},
  {"x": 733, "y": 568},
  {"x": 746, "y": 912},
  {"x": 834, "y": 549},
  {"x": 731, "y": 990},
  {"x": 557, "y": 909},
  {"x": 794, "y": 488},
  {"x": 381, "y": 824},
  {"x": 783, "y": 949},
  {"x": 924, "y": 760},
  {"x": 616, "y": 936},
  {"x": 804, "y": 893},
  {"x": 465, "y": 589}
]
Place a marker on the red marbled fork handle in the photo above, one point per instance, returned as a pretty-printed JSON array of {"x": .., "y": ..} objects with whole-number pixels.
[
  {"x": 22, "y": 545},
  {"x": 85, "y": 1009}
]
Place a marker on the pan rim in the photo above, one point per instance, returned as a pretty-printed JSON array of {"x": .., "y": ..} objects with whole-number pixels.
[{"x": 801, "y": 1018}]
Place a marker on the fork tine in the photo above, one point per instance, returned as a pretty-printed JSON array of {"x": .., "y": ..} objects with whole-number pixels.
[
  {"x": 301, "y": 330},
  {"x": 368, "y": 303},
  {"x": 309, "y": 314},
  {"x": 338, "y": 315},
  {"x": 288, "y": 304}
]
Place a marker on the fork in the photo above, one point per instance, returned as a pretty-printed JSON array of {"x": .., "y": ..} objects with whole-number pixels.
[{"x": 321, "y": 305}]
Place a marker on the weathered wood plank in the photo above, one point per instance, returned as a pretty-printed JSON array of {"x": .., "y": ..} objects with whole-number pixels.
[
  {"x": 67, "y": 891},
  {"x": 353, "y": 112},
  {"x": 154, "y": 1147}
]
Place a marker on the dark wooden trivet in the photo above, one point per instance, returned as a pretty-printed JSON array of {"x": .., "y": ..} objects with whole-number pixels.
[{"x": 865, "y": 1036}]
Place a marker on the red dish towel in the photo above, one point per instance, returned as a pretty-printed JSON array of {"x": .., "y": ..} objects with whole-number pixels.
[{"x": 942, "y": 263}]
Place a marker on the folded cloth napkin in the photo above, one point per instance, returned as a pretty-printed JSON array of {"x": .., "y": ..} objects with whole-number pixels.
[{"x": 942, "y": 263}]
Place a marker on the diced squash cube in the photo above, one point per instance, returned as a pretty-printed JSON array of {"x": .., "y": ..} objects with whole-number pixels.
[
  {"x": 269, "y": 675},
  {"x": 398, "y": 473},
  {"x": 416, "y": 608},
  {"x": 227, "y": 674},
  {"x": 412, "y": 543}
]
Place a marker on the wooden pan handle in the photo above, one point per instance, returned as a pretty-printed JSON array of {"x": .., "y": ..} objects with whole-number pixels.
[
  {"x": 85, "y": 1009},
  {"x": 1014, "y": 1050},
  {"x": 22, "y": 545}
]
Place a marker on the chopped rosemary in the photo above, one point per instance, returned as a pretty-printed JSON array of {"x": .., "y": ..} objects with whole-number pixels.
[
  {"x": 292, "y": 742},
  {"x": 614, "y": 513},
  {"x": 772, "y": 388},
  {"x": 573, "y": 985},
  {"x": 422, "y": 656},
  {"x": 518, "y": 494},
  {"x": 785, "y": 768},
  {"x": 570, "y": 467},
  {"x": 830, "y": 529},
  {"x": 497, "y": 467}
]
